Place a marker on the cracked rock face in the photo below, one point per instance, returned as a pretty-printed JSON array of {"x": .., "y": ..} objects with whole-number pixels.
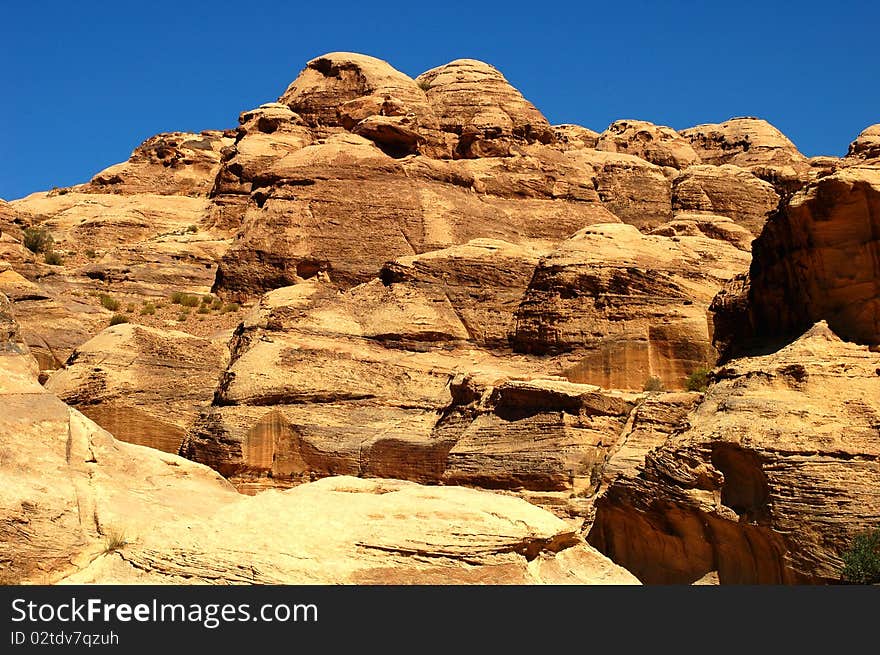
[
  {"x": 80, "y": 507},
  {"x": 818, "y": 260},
  {"x": 378, "y": 277},
  {"x": 624, "y": 307},
  {"x": 121, "y": 380},
  {"x": 776, "y": 474}
]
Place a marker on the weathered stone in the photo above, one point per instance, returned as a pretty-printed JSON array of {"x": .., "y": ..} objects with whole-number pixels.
[
  {"x": 574, "y": 137},
  {"x": 694, "y": 224},
  {"x": 726, "y": 190},
  {"x": 625, "y": 307},
  {"x": 174, "y": 163},
  {"x": 126, "y": 379},
  {"x": 474, "y": 101},
  {"x": 818, "y": 260},
  {"x": 866, "y": 147},
  {"x": 775, "y": 476},
  {"x": 657, "y": 144}
]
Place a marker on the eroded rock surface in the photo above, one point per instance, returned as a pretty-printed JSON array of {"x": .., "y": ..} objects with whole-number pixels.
[
  {"x": 80, "y": 507},
  {"x": 818, "y": 260},
  {"x": 142, "y": 384},
  {"x": 625, "y": 307},
  {"x": 726, "y": 190},
  {"x": 775, "y": 476},
  {"x": 657, "y": 144}
]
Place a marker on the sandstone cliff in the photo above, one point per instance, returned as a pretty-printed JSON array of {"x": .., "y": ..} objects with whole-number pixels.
[
  {"x": 393, "y": 282},
  {"x": 775, "y": 474}
]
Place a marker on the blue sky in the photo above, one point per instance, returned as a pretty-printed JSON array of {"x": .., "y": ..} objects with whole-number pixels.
[{"x": 84, "y": 82}]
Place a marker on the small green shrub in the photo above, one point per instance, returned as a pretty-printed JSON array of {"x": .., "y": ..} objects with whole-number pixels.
[
  {"x": 217, "y": 305},
  {"x": 653, "y": 383},
  {"x": 192, "y": 229},
  {"x": 108, "y": 302},
  {"x": 185, "y": 299},
  {"x": 38, "y": 239},
  {"x": 204, "y": 309},
  {"x": 118, "y": 319},
  {"x": 91, "y": 254},
  {"x": 698, "y": 380},
  {"x": 424, "y": 85},
  {"x": 53, "y": 258},
  {"x": 130, "y": 307},
  {"x": 231, "y": 307},
  {"x": 208, "y": 299},
  {"x": 862, "y": 560},
  {"x": 182, "y": 317},
  {"x": 148, "y": 309}
]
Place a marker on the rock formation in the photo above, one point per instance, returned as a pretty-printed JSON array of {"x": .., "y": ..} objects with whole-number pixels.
[
  {"x": 473, "y": 101},
  {"x": 376, "y": 283},
  {"x": 406, "y": 377},
  {"x": 123, "y": 379},
  {"x": 866, "y": 147},
  {"x": 626, "y": 307},
  {"x": 817, "y": 260},
  {"x": 775, "y": 475},
  {"x": 727, "y": 190},
  {"x": 80, "y": 507},
  {"x": 657, "y": 144}
]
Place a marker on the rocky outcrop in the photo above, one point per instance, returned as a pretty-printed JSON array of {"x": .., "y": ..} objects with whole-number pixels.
[
  {"x": 746, "y": 142},
  {"x": 866, "y": 147},
  {"x": 694, "y": 224},
  {"x": 409, "y": 376},
  {"x": 332, "y": 88},
  {"x": 173, "y": 163},
  {"x": 634, "y": 190},
  {"x": 657, "y": 144},
  {"x": 818, "y": 260},
  {"x": 543, "y": 435},
  {"x": 775, "y": 476},
  {"x": 10, "y": 335},
  {"x": 574, "y": 137},
  {"x": 726, "y": 190},
  {"x": 80, "y": 507},
  {"x": 625, "y": 307},
  {"x": 475, "y": 102},
  {"x": 345, "y": 207},
  {"x": 126, "y": 380},
  {"x": 756, "y": 145},
  {"x": 655, "y": 418},
  {"x": 483, "y": 281}
]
